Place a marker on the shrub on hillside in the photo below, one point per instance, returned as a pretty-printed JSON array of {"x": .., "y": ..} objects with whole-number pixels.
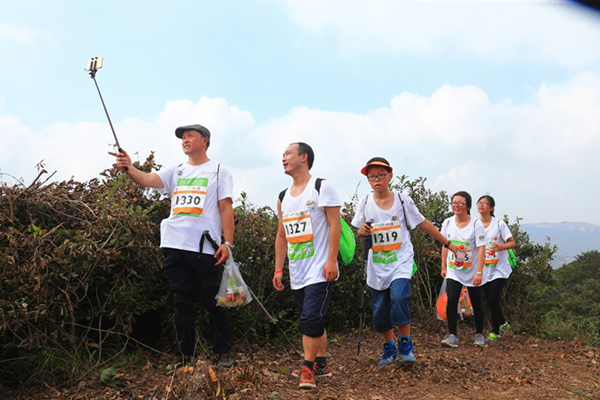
[
  {"x": 81, "y": 274},
  {"x": 79, "y": 264}
]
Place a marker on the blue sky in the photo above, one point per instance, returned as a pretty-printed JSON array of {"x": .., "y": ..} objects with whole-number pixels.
[{"x": 488, "y": 96}]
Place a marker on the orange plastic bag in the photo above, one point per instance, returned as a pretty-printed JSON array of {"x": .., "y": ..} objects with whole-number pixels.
[{"x": 465, "y": 308}]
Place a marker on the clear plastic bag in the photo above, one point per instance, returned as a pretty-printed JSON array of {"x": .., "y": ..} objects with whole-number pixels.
[
  {"x": 233, "y": 291},
  {"x": 465, "y": 308}
]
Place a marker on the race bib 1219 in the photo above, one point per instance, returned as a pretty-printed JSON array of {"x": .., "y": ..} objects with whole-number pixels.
[{"x": 386, "y": 236}]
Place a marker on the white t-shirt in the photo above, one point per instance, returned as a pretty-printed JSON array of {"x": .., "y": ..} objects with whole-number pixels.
[
  {"x": 471, "y": 236},
  {"x": 389, "y": 230},
  {"x": 194, "y": 205},
  {"x": 307, "y": 232},
  {"x": 497, "y": 261}
]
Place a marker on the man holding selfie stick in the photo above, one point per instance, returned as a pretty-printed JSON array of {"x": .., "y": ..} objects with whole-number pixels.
[{"x": 201, "y": 208}]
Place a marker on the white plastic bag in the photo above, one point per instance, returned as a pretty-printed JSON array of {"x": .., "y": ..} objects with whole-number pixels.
[
  {"x": 233, "y": 291},
  {"x": 440, "y": 304},
  {"x": 465, "y": 309}
]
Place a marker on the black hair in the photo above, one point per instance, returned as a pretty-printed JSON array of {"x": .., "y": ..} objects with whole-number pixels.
[
  {"x": 490, "y": 200},
  {"x": 303, "y": 148},
  {"x": 380, "y": 159},
  {"x": 467, "y": 197}
]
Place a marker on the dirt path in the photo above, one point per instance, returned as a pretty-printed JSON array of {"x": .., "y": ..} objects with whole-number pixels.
[{"x": 519, "y": 367}]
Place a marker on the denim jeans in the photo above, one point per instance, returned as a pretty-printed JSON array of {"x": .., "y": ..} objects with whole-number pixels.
[{"x": 390, "y": 306}]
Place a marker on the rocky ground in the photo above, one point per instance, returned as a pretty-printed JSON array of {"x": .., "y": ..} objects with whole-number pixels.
[{"x": 518, "y": 367}]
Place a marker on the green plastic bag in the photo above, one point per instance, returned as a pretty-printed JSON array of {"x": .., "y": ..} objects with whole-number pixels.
[
  {"x": 414, "y": 268},
  {"x": 347, "y": 243},
  {"x": 512, "y": 258}
]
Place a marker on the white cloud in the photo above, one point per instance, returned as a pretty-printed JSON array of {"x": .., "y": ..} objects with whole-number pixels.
[
  {"x": 538, "y": 31},
  {"x": 538, "y": 159},
  {"x": 18, "y": 33}
]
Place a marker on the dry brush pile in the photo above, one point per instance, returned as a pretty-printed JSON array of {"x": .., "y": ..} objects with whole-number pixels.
[
  {"x": 81, "y": 275},
  {"x": 79, "y": 263}
]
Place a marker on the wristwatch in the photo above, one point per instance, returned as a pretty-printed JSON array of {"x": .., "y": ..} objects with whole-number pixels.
[
  {"x": 479, "y": 273},
  {"x": 447, "y": 244},
  {"x": 230, "y": 245}
]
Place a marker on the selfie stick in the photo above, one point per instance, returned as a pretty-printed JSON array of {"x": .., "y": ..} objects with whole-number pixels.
[{"x": 93, "y": 66}]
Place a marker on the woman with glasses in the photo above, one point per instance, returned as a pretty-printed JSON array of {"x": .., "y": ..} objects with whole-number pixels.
[
  {"x": 498, "y": 241},
  {"x": 385, "y": 217},
  {"x": 467, "y": 270}
]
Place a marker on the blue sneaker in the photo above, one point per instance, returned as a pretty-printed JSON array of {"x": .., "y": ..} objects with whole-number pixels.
[
  {"x": 405, "y": 347},
  {"x": 390, "y": 353}
]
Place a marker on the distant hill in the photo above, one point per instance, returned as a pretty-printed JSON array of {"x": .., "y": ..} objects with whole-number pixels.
[{"x": 571, "y": 238}]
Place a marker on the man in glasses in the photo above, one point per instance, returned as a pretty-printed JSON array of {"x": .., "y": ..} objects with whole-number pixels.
[
  {"x": 190, "y": 238},
  {"x": 385, "y": 216},
  {"x": 309, "y": 235}
]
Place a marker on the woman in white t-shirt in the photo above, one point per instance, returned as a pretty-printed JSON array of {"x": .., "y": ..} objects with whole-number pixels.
[
  {"x": 498, "y": 269},
  {"x": 467, "y": 233}
]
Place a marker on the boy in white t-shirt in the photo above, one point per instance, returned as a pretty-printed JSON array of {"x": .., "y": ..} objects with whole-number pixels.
[
  {"x": 383, "y": 217},
  {"x": 309, "y": 236},
  {"x": 201, "y": 207}
]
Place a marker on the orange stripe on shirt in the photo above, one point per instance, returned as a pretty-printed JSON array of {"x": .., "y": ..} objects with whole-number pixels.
[
  {"x": 386, "y": 228},
  {"x": 300, "y": 239},
  {"x": 387, "y": 247},
  {"x": 187, "y": 210},
  {"x": 189, "y": 191},
  {"x": 295, "y": 218}
]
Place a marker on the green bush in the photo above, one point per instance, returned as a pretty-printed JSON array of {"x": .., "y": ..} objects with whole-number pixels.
[
  {"x": 81, "y": 275},
  {"x": 573, "y": 303},
  {"x": 79, "y": 264}
]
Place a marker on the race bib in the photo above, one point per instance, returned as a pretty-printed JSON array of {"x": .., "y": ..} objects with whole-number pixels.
[
  {"x": 189, "y": 197},
  {"x": 491, "y": 256},
  {"x": 468, "y": 257},
  {"x": 297, "y": 226},
  {"x": 386, "y": 236}
]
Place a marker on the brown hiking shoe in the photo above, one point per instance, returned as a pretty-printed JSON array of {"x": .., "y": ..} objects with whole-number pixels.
[
  {"x": 225, "y": 360},
  {"x": 317, "y": 372},
  {"x": 307, "y": 379}
]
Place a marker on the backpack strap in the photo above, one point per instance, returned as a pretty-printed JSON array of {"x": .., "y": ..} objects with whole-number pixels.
[
  {"x": 403, "y": 210},
  {"x": 206, "y": 235},
  {"x": 218, "y": 169},
  {"x": 282, "y": 195},
  {"x": 500, "y": 230},
  {"x": 317, "y": 186},
  {"x": 364, "y": 206}
]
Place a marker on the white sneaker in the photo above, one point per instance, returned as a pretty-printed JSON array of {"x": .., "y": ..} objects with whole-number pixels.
[
  {"x": 479, "y": 340},
  {"x": 450, "y": 341}
]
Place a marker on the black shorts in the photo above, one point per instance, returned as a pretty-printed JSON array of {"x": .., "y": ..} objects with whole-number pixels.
[{"x": 312, "y": 302}]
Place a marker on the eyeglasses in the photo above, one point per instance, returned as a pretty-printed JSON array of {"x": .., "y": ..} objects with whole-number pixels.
[
  {"x": 481, "y": 203},
  {"x": 378, "y": 176},
  {"x": 459, "y": 204}
]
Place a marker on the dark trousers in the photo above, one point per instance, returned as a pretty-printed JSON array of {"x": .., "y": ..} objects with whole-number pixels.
[
  {"x": 312, "y": 302},
  {"x": 192, "y": 275},
  {"x": 493, "y": 293},
  {"x": 453, "y": 289}
]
